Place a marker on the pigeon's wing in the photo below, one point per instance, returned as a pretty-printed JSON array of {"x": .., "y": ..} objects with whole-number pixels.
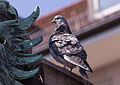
[
  {"x": 71, "y": 50},
  {"x": 68, "y": 44},
  {"x": 54, "y": 47},
  {"x": 78, "y": 62}
]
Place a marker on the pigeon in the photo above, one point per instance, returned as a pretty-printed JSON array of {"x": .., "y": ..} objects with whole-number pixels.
[{"x": 66, "y": 48}]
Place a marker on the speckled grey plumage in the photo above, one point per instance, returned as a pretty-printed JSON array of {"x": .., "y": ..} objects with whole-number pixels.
[{"x": 66, "y": 48}]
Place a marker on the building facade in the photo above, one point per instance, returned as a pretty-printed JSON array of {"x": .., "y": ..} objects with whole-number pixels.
[{"x": 96, "y": 24}]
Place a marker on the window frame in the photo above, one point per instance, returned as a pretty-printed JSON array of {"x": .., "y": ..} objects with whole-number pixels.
[{"x": 94, "y": 9}]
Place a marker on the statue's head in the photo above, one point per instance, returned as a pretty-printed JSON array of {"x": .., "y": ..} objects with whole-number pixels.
[{"x": 7, "y": 11}]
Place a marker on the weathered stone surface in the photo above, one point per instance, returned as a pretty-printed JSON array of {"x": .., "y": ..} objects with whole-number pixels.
[{"x": 55, "y": 75}]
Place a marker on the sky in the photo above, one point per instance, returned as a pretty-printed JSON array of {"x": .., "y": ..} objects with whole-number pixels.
[{"x": 25, "y": 7}]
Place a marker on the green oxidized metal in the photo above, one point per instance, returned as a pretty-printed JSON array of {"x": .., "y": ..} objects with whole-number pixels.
[{"x": 13, "y": 44}]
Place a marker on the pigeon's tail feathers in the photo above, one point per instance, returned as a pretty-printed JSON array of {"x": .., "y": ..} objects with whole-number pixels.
[
  {"x": 89, "y": 68},
  {"x": 83, "y": 73}
]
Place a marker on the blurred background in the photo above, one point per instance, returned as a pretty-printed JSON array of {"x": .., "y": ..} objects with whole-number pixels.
[
  {"x": 45, "y": 6},
  {"x": 96, "y": 23}
]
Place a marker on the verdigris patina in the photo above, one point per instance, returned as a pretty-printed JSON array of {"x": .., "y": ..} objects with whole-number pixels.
[{"x": 14, "y": 45}]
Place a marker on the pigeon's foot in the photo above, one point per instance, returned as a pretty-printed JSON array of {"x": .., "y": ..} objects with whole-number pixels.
[
  {"x": 71, "y": 69},
  {"x": 65, "y": 67}
]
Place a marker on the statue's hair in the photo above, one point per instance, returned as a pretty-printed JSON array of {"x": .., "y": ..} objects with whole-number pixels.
[{"x": 8, "y": 10}]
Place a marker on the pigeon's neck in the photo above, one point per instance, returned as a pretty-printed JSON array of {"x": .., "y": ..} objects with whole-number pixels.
[{"x": 62, "y": 29}]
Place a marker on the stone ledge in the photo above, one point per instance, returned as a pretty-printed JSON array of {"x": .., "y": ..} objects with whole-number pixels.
[{"x": 55, "y": 75}]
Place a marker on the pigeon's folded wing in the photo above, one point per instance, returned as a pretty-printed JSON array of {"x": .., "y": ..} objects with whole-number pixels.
[
  {"x": 68, "y": 44},
  {"x": 69, "y": 47}
]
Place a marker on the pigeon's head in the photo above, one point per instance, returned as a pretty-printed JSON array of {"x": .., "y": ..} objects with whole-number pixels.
[
  {"x": 59, "y": 20},
  {"x": 61, "y": 24}
]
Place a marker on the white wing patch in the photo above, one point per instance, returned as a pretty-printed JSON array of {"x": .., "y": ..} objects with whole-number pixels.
[{"x": 76, "y": 61}]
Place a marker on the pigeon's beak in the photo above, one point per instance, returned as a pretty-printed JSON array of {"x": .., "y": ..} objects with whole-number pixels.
[{"x": 53, "y": 21}]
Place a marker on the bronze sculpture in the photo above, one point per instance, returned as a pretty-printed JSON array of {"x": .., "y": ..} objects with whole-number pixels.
[{"x": 13, "y": 44}]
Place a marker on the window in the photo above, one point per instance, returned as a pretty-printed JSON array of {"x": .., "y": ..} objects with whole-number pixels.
[
  {"x": 101, "y": 8},
  {"x": 105, "y": 4}
]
